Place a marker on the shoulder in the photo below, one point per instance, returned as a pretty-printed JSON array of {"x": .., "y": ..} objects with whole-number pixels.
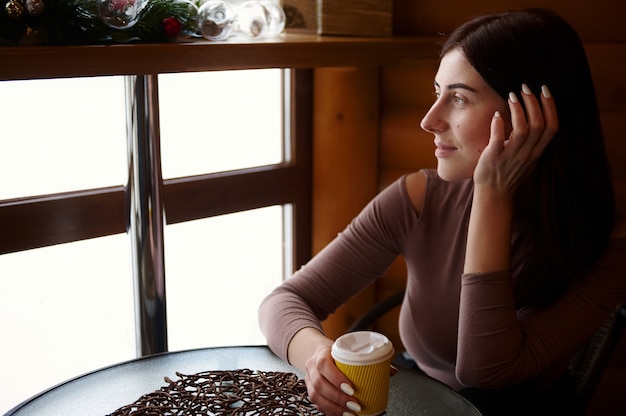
[
  {"x": 425, "y": 188},
  {"x": 415, "y": 184}
]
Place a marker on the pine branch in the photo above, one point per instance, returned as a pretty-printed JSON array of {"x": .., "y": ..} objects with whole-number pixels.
[{"x": 65, "y": 22}]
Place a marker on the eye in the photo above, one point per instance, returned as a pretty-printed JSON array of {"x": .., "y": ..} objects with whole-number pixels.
[{"x": 458, "y": 99}]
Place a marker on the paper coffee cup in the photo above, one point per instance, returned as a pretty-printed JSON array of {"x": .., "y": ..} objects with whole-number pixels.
[{"x": 364, "y": 357}]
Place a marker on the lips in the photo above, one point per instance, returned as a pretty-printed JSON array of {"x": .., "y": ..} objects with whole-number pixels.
[{"x": 443, "y": 150}]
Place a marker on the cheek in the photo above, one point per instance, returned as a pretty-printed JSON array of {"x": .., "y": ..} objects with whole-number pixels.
[{"x": 474, "y": 134}]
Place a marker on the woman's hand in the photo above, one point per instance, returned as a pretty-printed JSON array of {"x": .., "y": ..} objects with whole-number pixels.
[
  {"x": 501, "y": 167},
  {"x": 328, "y": 387},
  {"x": 503, "y": 164}
]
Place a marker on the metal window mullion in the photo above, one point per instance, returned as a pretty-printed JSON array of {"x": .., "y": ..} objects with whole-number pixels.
[{"x": 146, "y": 215}]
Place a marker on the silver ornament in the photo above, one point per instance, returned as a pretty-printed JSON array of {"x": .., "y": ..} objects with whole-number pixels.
[
  {"x": 14, "y": 9},
  {"x": 35, "y": 7}
]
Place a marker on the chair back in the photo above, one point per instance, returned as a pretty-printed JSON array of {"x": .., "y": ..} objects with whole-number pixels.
[{"x": 588, "y": 365}]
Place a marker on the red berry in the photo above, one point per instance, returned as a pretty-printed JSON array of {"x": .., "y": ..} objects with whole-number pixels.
[{"x": 172, "y": 26}]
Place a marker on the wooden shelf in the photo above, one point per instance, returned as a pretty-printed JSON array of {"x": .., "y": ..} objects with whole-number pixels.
[{"x": 287, "y": 51}]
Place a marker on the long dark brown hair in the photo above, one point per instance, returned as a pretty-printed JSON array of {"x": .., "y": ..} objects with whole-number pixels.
[{"x": 566, "y": 209}]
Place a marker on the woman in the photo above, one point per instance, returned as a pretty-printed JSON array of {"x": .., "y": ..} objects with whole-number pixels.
[{"x": 511, "y": 265}]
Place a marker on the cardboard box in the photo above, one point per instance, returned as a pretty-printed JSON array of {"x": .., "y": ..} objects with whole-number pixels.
[{"x": 339, "y": 17}]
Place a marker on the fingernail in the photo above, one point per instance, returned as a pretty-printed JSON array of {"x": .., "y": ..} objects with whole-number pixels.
[
  {"x": 526, "y": 90},
  {"x": 513, "y": 98},
  {"x": 497, "y": 114},
  {"x": 345, "y": 387},
  {"x": 545, "y": 91},
  {"x": 353, "y": 406},
  {"x": 347, "y": 414}
]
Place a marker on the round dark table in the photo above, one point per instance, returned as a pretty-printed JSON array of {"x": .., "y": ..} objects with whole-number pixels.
[{"x": 101, "y": 392}]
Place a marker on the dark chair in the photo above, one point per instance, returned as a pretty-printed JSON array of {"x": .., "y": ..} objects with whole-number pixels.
[
  {"x": 587, "y": 366},
  {"x": 376, "y": 311},
  {"x": 589, "y": 363}
]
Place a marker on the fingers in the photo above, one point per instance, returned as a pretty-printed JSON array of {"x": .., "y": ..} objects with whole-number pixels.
[
  {"x": 497, "y": 128},
  {"x": 536, "y": 126},
  {"x": 535, "y": 121},
  {"x": 496, "y": 137},
  {"x": 518, "y": 121},
  {"x": 503, "y": 163},
  {"x": 328, "y": 387},
  {"x": 550, "y": 116}
]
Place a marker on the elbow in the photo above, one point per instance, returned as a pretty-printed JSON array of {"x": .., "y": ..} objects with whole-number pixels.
[
  {"x": 487, "y": 378},
  {"x": 472, "y": 379},
  {"x": 477, "y": 382}
]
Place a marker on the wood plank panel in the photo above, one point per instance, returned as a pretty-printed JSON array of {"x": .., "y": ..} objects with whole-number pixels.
[
  {"x": 599, "y": 21},
  {"x": 355, "y": 17},
  {"x": 409, "y": 84},
  {"x": 345, "y": 149},
  {"x": 345, "y": 154},
  {"x": 403, "y": 143}
]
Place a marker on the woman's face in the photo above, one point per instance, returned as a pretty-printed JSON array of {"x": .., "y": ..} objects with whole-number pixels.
[{"x": 461, "y": 116}]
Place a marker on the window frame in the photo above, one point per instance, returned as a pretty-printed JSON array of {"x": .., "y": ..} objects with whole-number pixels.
[{"x": 40, "y": 221}]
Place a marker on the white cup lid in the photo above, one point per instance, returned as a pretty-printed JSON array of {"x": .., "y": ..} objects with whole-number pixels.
[{"x": 362, "y": 348}]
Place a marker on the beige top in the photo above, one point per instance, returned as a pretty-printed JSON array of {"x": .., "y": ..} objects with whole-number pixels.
[{"x": 461, "y": 329}]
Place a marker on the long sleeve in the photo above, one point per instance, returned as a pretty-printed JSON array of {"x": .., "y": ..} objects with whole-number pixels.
[
  {"x": 355, "y": 258},
  {"x": 461, "y": 329},
  {"x": 499, "y": 347},
  {"x": 464, "y": 330}
]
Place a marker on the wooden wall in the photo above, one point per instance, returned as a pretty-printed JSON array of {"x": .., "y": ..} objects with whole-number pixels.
[{"x": 367, "y": 130}]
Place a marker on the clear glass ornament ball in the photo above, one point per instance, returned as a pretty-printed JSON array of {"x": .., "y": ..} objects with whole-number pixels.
[
  {"x": 253, "y": 19},
  {"x": 120, "y": 14},
  {"x": 277, "y": 18},
  {"x": 216, "y": 20}
]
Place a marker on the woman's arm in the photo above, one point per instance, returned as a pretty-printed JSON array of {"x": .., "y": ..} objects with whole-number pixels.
[
  {"x": 490, "y": 335},
  {"x": 290, "y": 317},
  {"x": 502, "y": 166},
  {"x": 498, "y": 348}
]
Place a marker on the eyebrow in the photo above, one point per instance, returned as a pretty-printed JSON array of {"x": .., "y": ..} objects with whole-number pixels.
[{"x": 456, "y": 86}]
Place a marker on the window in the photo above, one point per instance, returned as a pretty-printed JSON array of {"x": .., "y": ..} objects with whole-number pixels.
[
  {"x": 217, "y": 270},
  {"x": 64, "y": 310},
  {"x": 65, "y": 260},
  {"x": 207, "y": 117},
  {"x": 61, "y": 135},
  {"x": 217, "y": 122}
]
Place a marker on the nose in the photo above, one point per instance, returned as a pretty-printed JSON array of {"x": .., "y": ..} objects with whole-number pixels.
[{"x": 433, "y": 121}]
